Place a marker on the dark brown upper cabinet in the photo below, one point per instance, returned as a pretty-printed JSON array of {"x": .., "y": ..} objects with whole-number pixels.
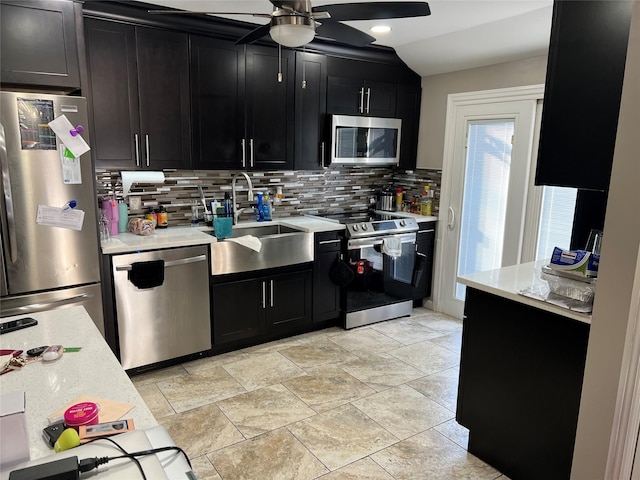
[
  {"x": 139, "y": 84},
  {"x": 38, "y": 44},
  {"x": 242, "y": 115},
  {"x": 587, "y": 55}
]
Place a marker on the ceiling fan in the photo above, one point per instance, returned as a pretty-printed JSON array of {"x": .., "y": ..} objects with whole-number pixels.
[{"x": 294, "y": 23}]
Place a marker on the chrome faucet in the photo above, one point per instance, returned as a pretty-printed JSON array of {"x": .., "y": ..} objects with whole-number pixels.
[{"x": 237, "y": 211}]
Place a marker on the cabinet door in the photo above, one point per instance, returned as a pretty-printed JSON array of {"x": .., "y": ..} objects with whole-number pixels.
[
  {"x": 217, "y": 103},
  {"x": 238, "y": 311},
  {"x": 408, "y": 110},
  {"x": 585, "y": 72},
  {"x": 310, "y": 111},
  {"x": 380, "y": 99},
  {"x": 345, "y": 96},
  {"x": 289, "y": 301},
  {"x": 163, "y": 81},
  {"x": 39, "y": 44},
  {"x": 269, "y": 104},
  {"x": 113, "y": 99},
  {"x": 425, "y": 243},
  {"x": 326, "y": 294}
]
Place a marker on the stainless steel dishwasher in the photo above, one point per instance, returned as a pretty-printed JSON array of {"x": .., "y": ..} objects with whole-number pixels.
[{"x": 167, "y": 314}]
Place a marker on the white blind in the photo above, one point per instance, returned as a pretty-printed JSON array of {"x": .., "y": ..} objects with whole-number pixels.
[{"x": 556, "y": 220}]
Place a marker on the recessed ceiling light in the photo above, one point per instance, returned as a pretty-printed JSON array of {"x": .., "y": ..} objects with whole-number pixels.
[{"x": 381, "y": 29}]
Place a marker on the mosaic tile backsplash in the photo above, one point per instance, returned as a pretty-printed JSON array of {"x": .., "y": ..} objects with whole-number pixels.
[{"x": 325, "y": 191}]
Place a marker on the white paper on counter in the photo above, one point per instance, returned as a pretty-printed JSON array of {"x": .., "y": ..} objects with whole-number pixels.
[
  {"x": 71, "y": 172},
  {"x": 62, "y": 127},
  {"x": 60, "y": 217}
]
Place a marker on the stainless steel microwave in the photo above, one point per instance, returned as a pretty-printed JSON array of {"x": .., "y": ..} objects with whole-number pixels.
[{"x": 367, "y": 141}]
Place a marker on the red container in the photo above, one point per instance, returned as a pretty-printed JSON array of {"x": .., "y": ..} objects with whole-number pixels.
[{"x": 85, "y": 413}]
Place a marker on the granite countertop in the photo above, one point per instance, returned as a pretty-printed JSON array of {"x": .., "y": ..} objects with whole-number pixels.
[
  {"x": 506, "y": 282},
  {"x": 49, "y": 386},
  {"x": 188, "y": 236}
]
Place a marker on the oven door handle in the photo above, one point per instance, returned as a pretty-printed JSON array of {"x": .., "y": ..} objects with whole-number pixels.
[{"x": 356, "y": 243}]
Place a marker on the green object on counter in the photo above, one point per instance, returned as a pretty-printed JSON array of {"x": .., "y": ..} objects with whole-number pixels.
[{"x": 72, "y": 349}]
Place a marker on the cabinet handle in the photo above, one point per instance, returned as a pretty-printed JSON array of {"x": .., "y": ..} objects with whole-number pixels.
[
  {"x": 137, "y": 140},
  {"x": 271, "y": 288},
  {"x": 244, "y": 153},
  {"x": 361, "y": 100},
  {"x": 426, "y": 231},
  {"x": 264, "y": 295},
  {"x": 326, "y": 242},
  {"x": 146, "y": 139},
  {"x": 368, "y": 99},
  {"x": 251, "y": 152},
  {"x": 322, "y": 153}
]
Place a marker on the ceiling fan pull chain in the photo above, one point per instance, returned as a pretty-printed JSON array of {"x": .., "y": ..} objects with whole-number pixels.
[
  {"x": 279, "y": 63},
  {"x": 304, "y": 75}
]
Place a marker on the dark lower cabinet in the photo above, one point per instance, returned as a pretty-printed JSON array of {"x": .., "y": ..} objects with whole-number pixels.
[
  {"x": 521, "y": 374},
  {"x": 423, "y": 272},
  {"x": 326, "y": 294},
  {"x": 38, "y": 43},
  {"x": 257, "y": 308}
]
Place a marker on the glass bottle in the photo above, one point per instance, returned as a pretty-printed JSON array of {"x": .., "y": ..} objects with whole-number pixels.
[{"x": 426, "y": 202}]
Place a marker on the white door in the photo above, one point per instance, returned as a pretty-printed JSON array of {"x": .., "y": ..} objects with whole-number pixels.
[{"x": 485, "y": 183}]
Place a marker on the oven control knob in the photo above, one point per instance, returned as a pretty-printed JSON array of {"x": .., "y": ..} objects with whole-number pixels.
[
  {"x": 365, "y": 227},
  {"x": 354, "y": 227},
  {"x": 403, "y": 223}
]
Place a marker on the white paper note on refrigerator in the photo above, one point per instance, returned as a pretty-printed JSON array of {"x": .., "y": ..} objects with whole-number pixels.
[{"x": 60, "y": 217}]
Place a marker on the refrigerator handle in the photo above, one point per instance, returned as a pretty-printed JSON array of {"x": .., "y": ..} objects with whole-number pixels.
[
  {"x": 40, "y": 307},
  {"x": 8, "y": 198}
]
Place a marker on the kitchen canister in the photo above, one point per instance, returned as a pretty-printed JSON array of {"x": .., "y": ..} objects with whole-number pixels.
[
  {"x": 123, "y": 217},
  {"x": 85, "y": 413}
]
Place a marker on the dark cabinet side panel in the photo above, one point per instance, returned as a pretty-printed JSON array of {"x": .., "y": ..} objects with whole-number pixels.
[
  {"x": 113, "y": 80},
  {"x": 587, "y": 55},
  {"x": 408, "y": 110}
]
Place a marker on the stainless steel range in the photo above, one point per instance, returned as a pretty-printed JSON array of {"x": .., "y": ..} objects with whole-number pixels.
[{"x": 381, "y": 250}]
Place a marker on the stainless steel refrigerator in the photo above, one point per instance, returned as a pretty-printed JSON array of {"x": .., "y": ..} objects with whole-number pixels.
[{"x": 46, "y": 264}]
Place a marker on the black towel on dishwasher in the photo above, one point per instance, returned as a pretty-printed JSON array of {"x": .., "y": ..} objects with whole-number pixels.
[{"x": 147, "y": 274}]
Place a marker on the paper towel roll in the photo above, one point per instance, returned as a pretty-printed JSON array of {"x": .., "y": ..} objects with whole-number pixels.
[{"x": 129, "y": 178}]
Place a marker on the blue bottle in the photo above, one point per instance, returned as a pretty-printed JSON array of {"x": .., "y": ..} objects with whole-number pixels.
[
  {"x": 259, "y": 209},
  {"x": 266, "y": 208}
]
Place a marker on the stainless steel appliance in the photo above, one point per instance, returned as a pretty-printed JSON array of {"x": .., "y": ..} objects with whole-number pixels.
[
  {"x": 368, "y": 141},
  {"x": 45, "y": 267},
  {"x": 162, "y": 304},
  {"x": 381, "y": 249}
]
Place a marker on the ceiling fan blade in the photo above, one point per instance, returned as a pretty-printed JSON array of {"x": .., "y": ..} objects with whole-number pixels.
[
  {"x": 344, "y": 34},
  {"x": 255, "y": 34},
  {"x": 375, "y": 10},
  {"x": 190, "y": 12}
]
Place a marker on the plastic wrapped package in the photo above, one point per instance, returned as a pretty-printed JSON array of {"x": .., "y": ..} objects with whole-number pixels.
[{"x": 571, "y": 288}]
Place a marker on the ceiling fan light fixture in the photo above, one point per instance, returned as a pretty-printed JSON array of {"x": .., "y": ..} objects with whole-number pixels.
[
  {"x": 380, "y": 29},
  {"x": 292, "y": 30}
]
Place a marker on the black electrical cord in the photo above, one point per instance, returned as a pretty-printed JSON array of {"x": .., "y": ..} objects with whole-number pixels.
[{"x": 88, "y": 464}]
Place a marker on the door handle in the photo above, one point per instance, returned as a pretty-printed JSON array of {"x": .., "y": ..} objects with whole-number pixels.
[
  {"x": 244, "y": 153},
  {"x": 170, "y": 263},
  {"x": 368, "y": 99},
  {"x": 39, "y": 307},
  {"x": 146, "y": 139},
  {"x": 8, "y": 198},
  {"x": 271, "y": 288},
  {"x": 137, "y": 140},
  {"x": 361, "y": 108},
  {"x": 452, "y": 218}
]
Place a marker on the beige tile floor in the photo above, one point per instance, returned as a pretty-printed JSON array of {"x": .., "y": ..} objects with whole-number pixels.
[{"x": 377, "y": 402}]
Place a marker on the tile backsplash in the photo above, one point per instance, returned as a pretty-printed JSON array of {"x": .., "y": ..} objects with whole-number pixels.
[{"x": 332, "y": 190}]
